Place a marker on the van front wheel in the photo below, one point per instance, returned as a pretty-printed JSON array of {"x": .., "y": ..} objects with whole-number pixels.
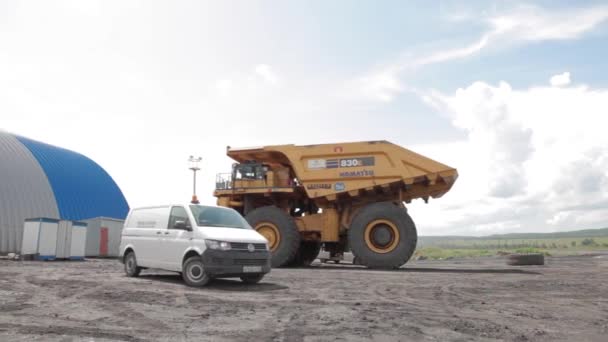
[
  {"x": 193, "y": 272},
  {"x": 131, "y": 268}
]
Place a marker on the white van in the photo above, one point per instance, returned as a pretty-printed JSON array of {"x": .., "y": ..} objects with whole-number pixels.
[{"x": 200, "y": 242}]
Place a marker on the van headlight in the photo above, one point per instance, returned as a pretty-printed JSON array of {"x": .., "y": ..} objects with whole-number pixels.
[{"x": 218, "y": 245}]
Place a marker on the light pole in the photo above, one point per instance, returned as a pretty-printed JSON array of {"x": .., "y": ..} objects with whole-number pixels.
[{"x": 193, "y": 162}]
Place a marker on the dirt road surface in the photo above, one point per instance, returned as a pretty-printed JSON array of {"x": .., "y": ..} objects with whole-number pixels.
[{"x": 457, "y": 300}]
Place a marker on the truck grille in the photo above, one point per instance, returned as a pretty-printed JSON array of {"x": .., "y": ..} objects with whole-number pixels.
[
  {"x": 243, "y": 246},
  {"x": 250, "y": 262}
]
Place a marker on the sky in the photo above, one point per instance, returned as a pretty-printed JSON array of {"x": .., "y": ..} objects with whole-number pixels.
[{"x": 512, "y": 94}]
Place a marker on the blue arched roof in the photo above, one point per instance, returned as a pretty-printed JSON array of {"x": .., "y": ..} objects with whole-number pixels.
[{"x": 82, "y": 188}]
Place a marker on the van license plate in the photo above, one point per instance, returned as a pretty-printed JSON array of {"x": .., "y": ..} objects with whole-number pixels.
[{"x": 252, "y": 269}]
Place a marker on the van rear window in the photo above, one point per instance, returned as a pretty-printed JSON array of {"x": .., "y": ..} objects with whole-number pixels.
[{"x": 218, "y": 217}]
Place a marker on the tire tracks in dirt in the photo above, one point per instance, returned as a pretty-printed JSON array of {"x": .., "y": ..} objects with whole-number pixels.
[{"x": 59, "y": 330}]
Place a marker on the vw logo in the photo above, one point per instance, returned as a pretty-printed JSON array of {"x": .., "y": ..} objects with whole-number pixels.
[{"x": 251, "y": 247}]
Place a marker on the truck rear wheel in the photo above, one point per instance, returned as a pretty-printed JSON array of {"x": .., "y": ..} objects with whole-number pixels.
[
  {"x": 280, "y": 230},
  {"x": 382, "y": 235},
  {"x": 307, "y": 253}
]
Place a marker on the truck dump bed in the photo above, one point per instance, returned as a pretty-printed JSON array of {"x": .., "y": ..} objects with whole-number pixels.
[{"x": 357, "y": 169}]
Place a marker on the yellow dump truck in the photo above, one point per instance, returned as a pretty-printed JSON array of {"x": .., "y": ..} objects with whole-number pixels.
[{"x": 341, "y": 197}]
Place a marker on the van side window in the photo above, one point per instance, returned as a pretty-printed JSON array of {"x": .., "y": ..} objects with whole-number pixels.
[{"x": 178, "y": 214}]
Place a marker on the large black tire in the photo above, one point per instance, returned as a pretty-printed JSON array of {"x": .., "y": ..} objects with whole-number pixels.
[
  {"x": 131, "y": 268},
  {"x": 307, "y": 253},
  {"x": 288, "y": 241},
  {"x": 193, "y": 272},
  {"x": 526, "y": 259},
  {"x": 382, "y": 235}
]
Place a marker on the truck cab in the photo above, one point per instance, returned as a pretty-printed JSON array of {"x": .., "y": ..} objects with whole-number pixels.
[{"x": 253, "y": 174}]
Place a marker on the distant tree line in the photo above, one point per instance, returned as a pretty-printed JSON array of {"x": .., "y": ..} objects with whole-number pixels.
[{"x": 587, "y": 242}]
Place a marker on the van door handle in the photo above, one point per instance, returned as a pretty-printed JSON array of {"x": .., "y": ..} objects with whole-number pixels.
[
  {"x": 166, "y": 233},
  {"x": 158, "y": 232}
]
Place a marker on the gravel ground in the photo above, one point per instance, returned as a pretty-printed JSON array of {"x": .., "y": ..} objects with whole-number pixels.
[{"x": 459, "y": 300}]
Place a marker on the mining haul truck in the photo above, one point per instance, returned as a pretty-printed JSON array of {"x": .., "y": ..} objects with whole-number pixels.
[{"x": 341, "y": 197}]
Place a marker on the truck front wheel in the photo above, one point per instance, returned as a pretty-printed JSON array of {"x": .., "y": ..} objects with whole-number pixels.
[
  {"x": 280, "y": 230},
  {"x": 382, "y": 235},
  {"x": 307, "y": 253}
]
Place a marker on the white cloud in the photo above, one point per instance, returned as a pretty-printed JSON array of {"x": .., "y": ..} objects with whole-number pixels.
[
  {"x": 524, "y": 24},
  {"x": 382, "y": 85},
  {"x": 224, "y": 86},
  {"x": 503, "y": 141},
  {"x": 531, "y": 23},
  {"x": 536, "y": 157},
  {"x": 527, "y": 23},
  {"x": 559, "y": 218},
  {"x": 267, "y": 74},
  {"x": 254, "y": 83},
  {"x": 450, "y": 54},
  {"x": 560, "y": 80}
]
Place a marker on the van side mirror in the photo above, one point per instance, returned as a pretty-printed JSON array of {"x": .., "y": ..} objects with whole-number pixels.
[{"x": 181, "y": 225}]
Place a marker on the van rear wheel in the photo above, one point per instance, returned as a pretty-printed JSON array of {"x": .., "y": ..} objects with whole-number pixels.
[
  {"x": 193, "y": 272},
  {"x": 131, "y": 268}
]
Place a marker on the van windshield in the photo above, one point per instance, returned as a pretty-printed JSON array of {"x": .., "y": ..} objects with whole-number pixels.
[{"x": 218, "y": 217}]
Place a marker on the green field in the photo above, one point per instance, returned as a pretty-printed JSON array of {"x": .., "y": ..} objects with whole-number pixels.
[{"x": 563, "y": 243}]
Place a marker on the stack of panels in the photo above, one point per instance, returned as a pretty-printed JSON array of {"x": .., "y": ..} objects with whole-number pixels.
[{"x": 51, "y": 239}]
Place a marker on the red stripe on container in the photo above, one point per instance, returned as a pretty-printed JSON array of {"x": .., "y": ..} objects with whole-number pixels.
[{"x": 103, "y": 242}]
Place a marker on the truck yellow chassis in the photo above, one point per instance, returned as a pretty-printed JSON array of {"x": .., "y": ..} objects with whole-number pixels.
[{"x": 339, "y": 196}]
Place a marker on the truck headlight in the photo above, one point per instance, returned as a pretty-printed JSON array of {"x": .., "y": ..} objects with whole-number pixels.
[{"x": 218, "y": 245}]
